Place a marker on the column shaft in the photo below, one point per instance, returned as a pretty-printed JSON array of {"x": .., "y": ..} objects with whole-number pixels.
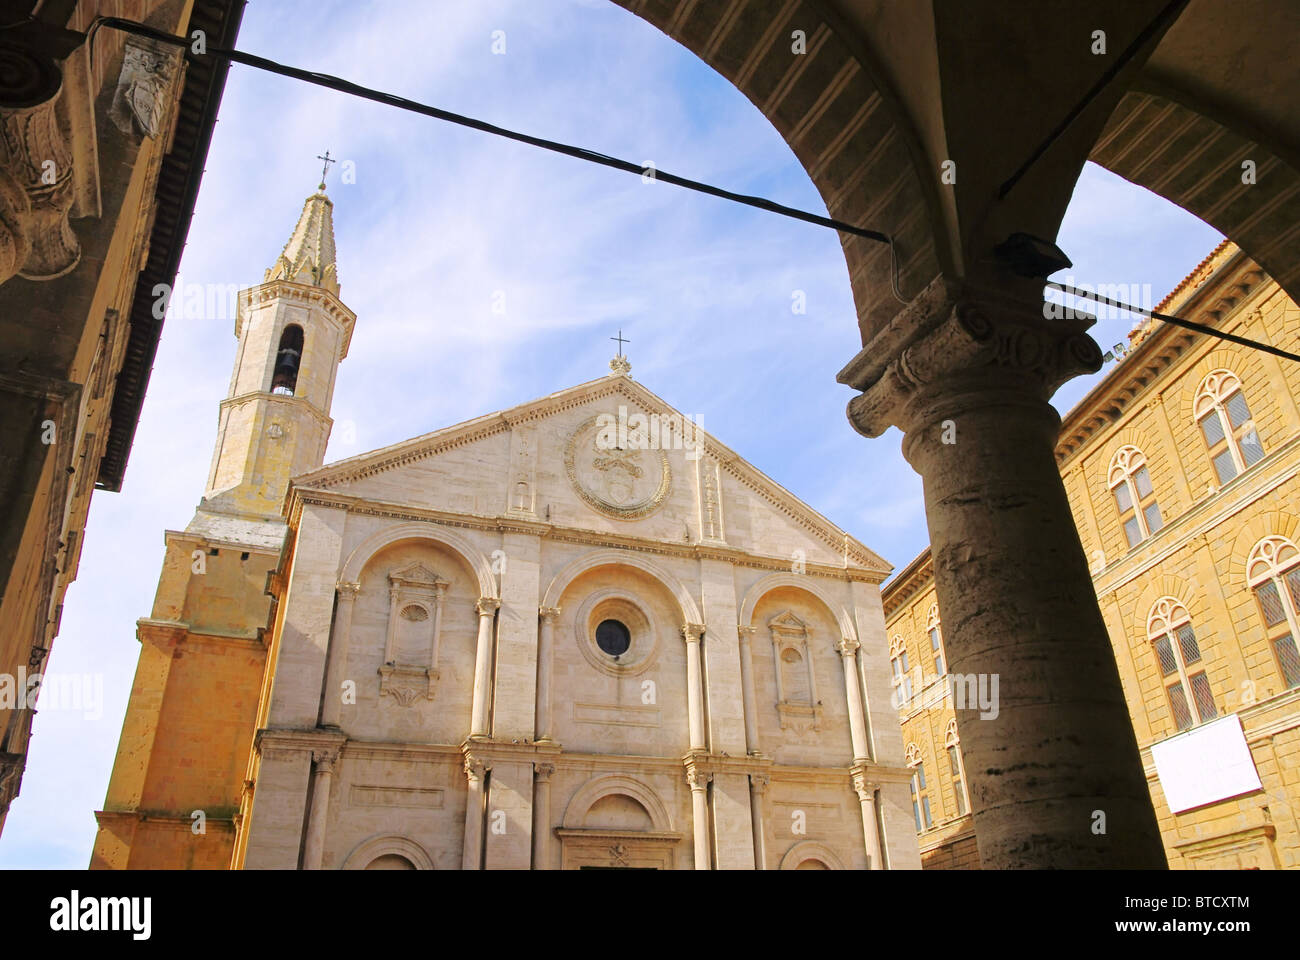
[
  {"x": 747, "y": 691},
  {"x": 314, "y": 851},
  {"x": 338, "y": 656},
  {"x": 479, "y": 716}
]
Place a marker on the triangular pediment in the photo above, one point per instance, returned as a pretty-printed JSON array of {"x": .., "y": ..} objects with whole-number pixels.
[
  {"x": 415, "y": 573},
  {"x": 544, "y": 461}
]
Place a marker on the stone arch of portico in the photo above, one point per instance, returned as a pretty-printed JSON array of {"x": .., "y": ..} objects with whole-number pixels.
[
  {"x": 802, "y": 582},
  {"x": 366, "y": 852},
  {"x": 604, "y": 558},
  {"x": 388, "y": 536},
  {"x": 810, "y": 850},
  {"x": 611, "y": 784}
]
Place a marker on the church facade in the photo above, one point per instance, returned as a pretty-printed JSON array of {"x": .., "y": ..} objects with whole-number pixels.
[{"x": 577, "y": 633}]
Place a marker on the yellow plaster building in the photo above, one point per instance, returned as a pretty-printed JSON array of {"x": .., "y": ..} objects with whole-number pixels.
[{"x": 1181, "y": 470}]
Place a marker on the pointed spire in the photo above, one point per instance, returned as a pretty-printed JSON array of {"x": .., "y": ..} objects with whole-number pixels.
[{"x": 308, "y": 257}]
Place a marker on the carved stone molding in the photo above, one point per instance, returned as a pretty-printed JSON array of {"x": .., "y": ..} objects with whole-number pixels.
[
  {"x": 974, "y": 347},
  {"x": 406, "y": 684}
]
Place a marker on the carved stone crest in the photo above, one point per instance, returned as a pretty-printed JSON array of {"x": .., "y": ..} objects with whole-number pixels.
[{"x": 615, "y": 467}]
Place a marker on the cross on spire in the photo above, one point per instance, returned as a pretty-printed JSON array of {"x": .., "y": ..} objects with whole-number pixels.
[
  {"x": 621, "y": 341},
  {"x": 326, "y": 169}
]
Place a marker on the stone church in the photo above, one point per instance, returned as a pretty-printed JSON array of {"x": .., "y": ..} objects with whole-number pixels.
[{"x": 577, "y": 633}]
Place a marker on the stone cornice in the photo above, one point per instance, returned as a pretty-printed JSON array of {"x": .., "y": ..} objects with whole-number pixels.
[
  {"x": 909, "y": 581},
  {"x": 184, "y": 536},
  {"x": 297, "y": 741},
  {"x": 362, "y": 506}
]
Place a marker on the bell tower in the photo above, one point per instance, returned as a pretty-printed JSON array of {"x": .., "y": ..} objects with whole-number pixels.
[{"x": 293, "y": 331}]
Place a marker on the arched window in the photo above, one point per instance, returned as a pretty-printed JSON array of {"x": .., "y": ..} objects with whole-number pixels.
[
  {"x": 1169, "y": 629},
  {"x": 1273, "y": 572},
  {"x": 936, "y": 638},
  {"x": 1130, "y": 484},
  {"x": 920, "y": 792},
  {"x": 287, "y": 359},
  {"x": 902, "y": 670},
  {"x": 1221, "y": 411},
  {"x": 950, "y": 741}
]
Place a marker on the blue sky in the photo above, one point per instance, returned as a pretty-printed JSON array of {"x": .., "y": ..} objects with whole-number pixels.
[{"x": 441, "y": 219}]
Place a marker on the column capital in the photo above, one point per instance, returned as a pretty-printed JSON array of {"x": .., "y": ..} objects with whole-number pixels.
[
  {"x": 486, "y": 606},
  {"x": 864, "y": 786},
  {"x": 548, "y": 614},
  {"x": 697, "y": 777},
  {"x": 475, "y": 767},
  {"x": 692, "y": 632},
  {"x": 745, "y": 632},
  {"x": 759, "y": 782},
  {"x": 847, "y": 647},
  {"x": 325, "y": 758},
  {"x": 347, "y": 590},
  {"x": 544, "y": 771},
  {"x": 955, "y": 347}
]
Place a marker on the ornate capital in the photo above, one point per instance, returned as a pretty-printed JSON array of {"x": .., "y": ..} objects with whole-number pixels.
[
  {"x": 548, "y": 614},
  {"x": 955, "y": 348},
  {"x": 486, "y": 606},
  {"x": 348, "y": 591},
  {"x": 745, "y": 633},
  {"x": 847, "y": 647},
  {"x": 863, "y": 785},
  {"x": 758, "y": 782},
  {"x": 697, "y": 777},
  {"x": 475, "y": 768},
  {"x": 692, "y": 632},
  {"x": 544, "y": 771},
  {"x": 325, "y": 759}
]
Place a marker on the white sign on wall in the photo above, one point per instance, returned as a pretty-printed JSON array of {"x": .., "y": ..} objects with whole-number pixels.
[{"x": 1205, "y": 765}]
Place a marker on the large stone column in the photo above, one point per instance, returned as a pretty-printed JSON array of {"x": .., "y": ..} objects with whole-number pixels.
[
  {"x": 338, "y": 655},
  {"x": 866, "y": 791},
  {"x": 314, "y": 851},
  {"x": 698, "y": 780},
  {"x": 691, "y": 633},
  {"x": 746, "y": 634},
  {"x": 487, "y": 607},
  {"x": 857, "y": 719},
  {"x": 475, "y": 772},
  {"x": 758, "y": 783},
  {"x": 545, "y": 666},
  {"x": 1049, "y": 746},
  {"x": 542, "y": 816}
]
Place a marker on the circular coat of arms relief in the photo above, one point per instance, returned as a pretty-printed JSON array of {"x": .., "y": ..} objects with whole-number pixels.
[{"x": 614, "y": 473}]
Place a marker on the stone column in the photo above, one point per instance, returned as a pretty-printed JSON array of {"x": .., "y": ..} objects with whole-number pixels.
[
  {"x": 475, "y": 771},
  {"x": 338, "y": 656},
  {"x": 1052, "y": 743},
  {"x": 487, "y": 607},
  {"x": 542, "y": 816},
  {"x": 757, "y": 790},
  {"x": 545, "y": 666},
  {"x": 866, "y": 791},
  {"x": 691, "y": 633},
  {"x": 699, "y": 783},
  {"x": 857, "y": 719},
  {"x": 747, "y": 690},
  {"x": 314, "y": 851}
]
